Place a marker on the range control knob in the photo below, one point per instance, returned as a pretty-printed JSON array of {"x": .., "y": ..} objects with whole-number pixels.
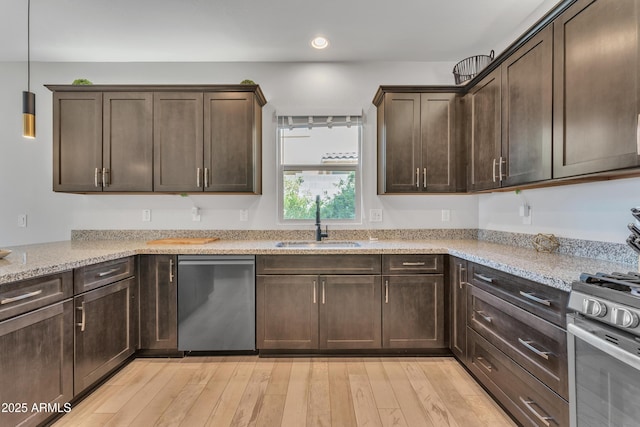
[
  {"x": 593, "y": 307},
  {"x": 623, "y": 317}
]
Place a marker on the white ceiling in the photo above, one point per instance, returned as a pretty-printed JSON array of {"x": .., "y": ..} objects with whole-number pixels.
[{"x": 260, "y": 30}]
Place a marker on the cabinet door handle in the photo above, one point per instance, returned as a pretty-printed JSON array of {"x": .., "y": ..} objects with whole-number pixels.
[
  {"x": 483, "y": 277},
  {"x": 95, "y": 178},
  {"x": 386, "y": 292},
  {"x": 534, "y": 298},
  {"x": 460, "y": 270},
  {"x": 171, "y": 271},
  {"x": 198, "y": 177},
  {"x": 502, "y": 161},
  {"x": 424, "y": 178},
  {"x": 484, "y": 363},
  {"x": 314, "y": 292},
  {"x": 206, "y": 177},
  {"x": 483, "y": 316},
  {"x": 417, "y": 177},
  {"x": 323, "y": 292},
  {"x": 638, "y": 135},
  {"x": 105, "y": 177},
  {"x": 544, "y": 419},
  {"x": 413, "y": 264},
  {"x": 106, "y": 273},
  {"x": 527, "y": 344},
  {"x": 494, "y": 170},
  {"x": 20, "y": 297},
  {"x": 83, "y": 320}
]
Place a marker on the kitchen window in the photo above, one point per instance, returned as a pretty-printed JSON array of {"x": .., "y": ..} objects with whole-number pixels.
[{"x": 319, "y": 156}]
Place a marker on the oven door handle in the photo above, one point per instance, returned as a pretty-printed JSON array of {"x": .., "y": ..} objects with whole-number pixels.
[{"x": 604, "y": 346}]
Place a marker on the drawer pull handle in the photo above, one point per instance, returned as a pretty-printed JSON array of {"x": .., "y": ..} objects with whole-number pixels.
[
  {"x": 82, "y": 323},
  {"x": 544, "y": 419},
  {"x": 484, "y": 363},
  {"x": 534, "y": 298},
  {"x": 482, "y": 277},
  {"x": 171, "y": 271},
  {"x": 323, "y": 292},
  {"x": 413, "y": 264},
  {"x": 484, "y": 316},
  {"x": 527, "y": 344},
  {"x": 108, "y": 272},
  {"x": 20, "y": 297}
]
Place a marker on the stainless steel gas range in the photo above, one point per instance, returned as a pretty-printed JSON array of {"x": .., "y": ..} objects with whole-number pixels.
[{"x": 604, "y": 350}]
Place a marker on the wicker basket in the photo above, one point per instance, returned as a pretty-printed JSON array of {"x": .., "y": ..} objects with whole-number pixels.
[{"x": 469, "y": 67}]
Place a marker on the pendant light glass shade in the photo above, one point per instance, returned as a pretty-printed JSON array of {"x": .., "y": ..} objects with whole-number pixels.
[{"x": 28, "y": 114}]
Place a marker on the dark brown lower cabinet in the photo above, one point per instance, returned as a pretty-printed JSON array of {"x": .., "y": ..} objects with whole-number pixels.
[
  {"x": 158, "y": 303},
  {"x": 287, "y": 312},
  {"x": 458, "y": 307},
  {"x": 104, "y": 331},
  {"x": 309, "y": 312},
  {"x": 349, "y": 312},
  {"x": 530, "y": 401},
  {"x": 36, "y": 364},
  {"x": 413, "y": 312}
]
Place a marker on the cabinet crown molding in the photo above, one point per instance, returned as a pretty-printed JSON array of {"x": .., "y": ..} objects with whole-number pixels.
[{"x": 162, "y": 88}]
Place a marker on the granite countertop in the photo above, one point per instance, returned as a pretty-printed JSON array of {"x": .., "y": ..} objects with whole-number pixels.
[{"x": 553, "y": 270}]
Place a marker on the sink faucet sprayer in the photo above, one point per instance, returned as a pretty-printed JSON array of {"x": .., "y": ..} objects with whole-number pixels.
[{"x": 319, "y": 233}]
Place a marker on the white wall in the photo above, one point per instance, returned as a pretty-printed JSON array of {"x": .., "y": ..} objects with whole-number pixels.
[
  {"x": 26, "y": 166},
  {"x": 597, "y": 211}
]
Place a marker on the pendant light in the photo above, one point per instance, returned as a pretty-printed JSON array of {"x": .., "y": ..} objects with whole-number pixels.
[{"x": 28, "y": 97}]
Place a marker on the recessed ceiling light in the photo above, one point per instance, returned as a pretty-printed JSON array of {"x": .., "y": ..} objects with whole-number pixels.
[{"x": 320, "y": 42}]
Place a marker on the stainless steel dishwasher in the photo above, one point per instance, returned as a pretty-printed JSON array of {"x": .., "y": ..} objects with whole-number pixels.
[{"x": 216, "y": 303}]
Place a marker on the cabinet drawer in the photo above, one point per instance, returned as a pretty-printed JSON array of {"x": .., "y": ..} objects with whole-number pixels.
[
  {"x": 20, "y": 297},
  {"x": 96, "y": 275},
  {"x": 530, "y": 401},
  {"x": 36, "y": 356},
  {"x": 412, "y": 264},
  {"x": 537, "y": 345},
  {"x": 318, "y": 264},
  {"x": 544, "y": 301}
]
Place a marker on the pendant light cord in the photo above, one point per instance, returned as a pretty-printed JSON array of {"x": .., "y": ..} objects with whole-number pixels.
[{"x": 28, "y": 45}]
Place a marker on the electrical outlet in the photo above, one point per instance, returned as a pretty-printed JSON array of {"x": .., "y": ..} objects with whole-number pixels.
[
  {"x": 526, "y": 220},
  {"x": 195, "y": 214},
  {"x": 446, "y": 215},
  {"x": 22, "y": 220},
  {"x": 244, "y": 215},
  {"x": 375, "y": 215},
  {"x": 146, "y": 215}
]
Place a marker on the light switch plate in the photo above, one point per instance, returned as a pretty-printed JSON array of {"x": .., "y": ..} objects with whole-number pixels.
[
  {"x": 22, "y": 220},
  {"x": 146, "y": 215}
]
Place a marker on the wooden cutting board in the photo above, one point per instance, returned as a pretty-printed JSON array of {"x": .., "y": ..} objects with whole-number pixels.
[{"x": 183, "y": 241}]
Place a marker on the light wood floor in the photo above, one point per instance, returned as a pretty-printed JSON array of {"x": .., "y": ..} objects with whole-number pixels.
[{"x": 298, "y": 392}]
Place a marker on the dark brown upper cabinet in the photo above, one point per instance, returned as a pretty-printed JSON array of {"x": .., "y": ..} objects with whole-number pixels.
[
  {"x": 527, "y": 101},
  {"x": 511, "y": 118},
  {"x": 417, "y": 149},
  {"x": 130, "y": 138},
  {"x": 232, "y": 142},
  {"x": 102, "y": 141},
  {"x": 178, "y": 150},
  {"x": 596, "y": 84},
  {"x": 485, "y": 153}
]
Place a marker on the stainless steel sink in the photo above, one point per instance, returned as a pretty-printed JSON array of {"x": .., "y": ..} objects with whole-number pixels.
[{"x": 325, "y": 244}]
